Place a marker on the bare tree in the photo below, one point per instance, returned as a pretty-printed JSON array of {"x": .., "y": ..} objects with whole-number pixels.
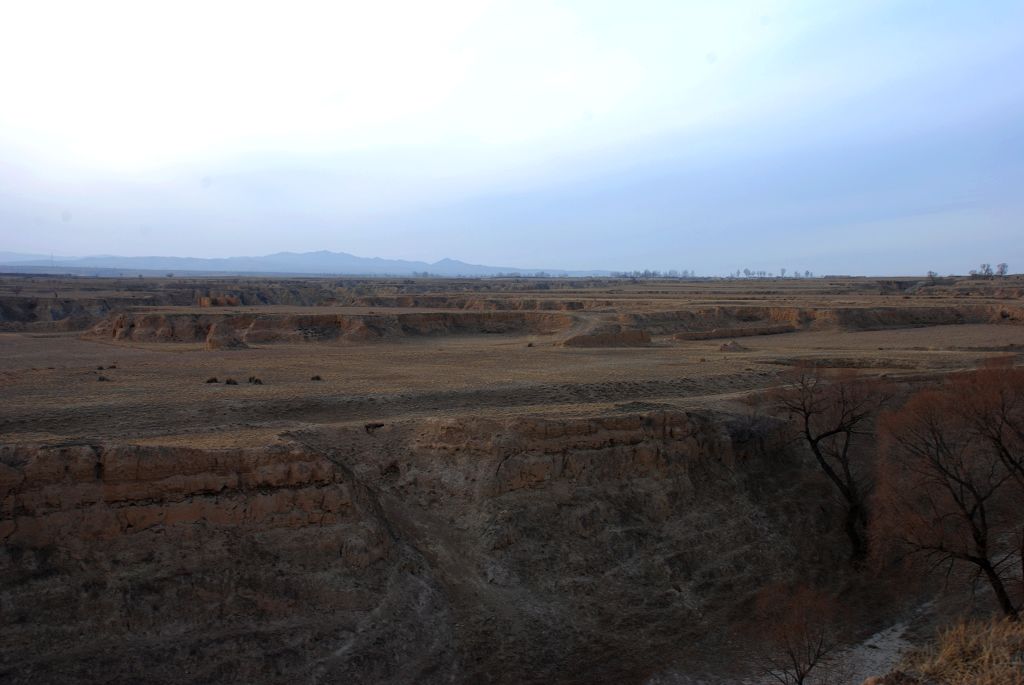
[
  {"x": 797, "y": 631},
  {"x": 1002, "y": 268},
  {"x": 945, "y": 492},
  {"x": 985, "y": 270},
  {"x": 830, "y": 416},
  {"x": 990, "y": 402}
]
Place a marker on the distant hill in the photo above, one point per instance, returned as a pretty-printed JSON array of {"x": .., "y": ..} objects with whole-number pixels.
[
  {"x": 15, "y": 257},
  {"x": 320, "y": 263}
]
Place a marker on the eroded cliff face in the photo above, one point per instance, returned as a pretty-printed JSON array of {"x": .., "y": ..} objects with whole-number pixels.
[
  {"x": 24, "y": 313},
  {"x": 598, "y": 330},
  {"x": 82, "y": 309},
  {"x": 456, "y": 550},
  {"x": 752, "y": 320},
  {"x": 267, "y": 328}
]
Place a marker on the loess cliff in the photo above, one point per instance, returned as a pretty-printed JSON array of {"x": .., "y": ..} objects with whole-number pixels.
[{"x": 568, "y": 550}]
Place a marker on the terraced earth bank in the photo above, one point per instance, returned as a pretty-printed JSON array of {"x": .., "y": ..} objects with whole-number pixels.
[
  {"x": 270, "y": 328},
  {"x": 581, "y": 330}
]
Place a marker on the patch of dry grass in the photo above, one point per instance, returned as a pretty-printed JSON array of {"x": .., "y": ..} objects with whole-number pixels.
[{"x": 972, "y": 653}]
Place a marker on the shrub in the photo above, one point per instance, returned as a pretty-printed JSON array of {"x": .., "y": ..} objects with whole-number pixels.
[
  {"x": 230, "y": 381},
  {"x": 212, "y": 379},
  {"x": 316, "y": 378},
  {"x": 972, "y": 653}
]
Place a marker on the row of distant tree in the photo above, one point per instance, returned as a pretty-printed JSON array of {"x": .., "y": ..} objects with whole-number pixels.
[
  {"x": 686, "y": 273},
  {"x": 747, "y": 273},
  {"x": 986, "y": 271},
  {"x": 654, "y": 273}
]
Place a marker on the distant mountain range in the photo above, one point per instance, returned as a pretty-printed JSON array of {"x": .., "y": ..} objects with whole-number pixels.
[{"x": 290, "y": 263}]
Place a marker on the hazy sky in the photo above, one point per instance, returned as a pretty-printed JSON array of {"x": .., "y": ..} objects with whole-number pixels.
[{"x": 852, "y": 137}]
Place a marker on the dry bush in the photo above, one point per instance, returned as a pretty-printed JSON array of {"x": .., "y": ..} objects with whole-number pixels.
[{"x": 972, "y": 653}]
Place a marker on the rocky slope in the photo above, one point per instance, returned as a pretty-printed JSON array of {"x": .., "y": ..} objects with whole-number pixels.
[{"x": 446, "y": 550}]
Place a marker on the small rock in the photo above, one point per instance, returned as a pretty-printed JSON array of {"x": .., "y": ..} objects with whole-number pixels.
[{"x": 733, "y": 346}]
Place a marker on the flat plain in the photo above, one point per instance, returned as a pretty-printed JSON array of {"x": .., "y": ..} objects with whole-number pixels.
[{"x": 448, "y": 364}]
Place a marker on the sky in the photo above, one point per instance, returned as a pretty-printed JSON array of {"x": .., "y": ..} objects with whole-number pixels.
[{"x": 857, "y": 138}]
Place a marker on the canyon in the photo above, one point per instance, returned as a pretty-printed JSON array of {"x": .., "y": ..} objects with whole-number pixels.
[{"x": 434, "y": 481}]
